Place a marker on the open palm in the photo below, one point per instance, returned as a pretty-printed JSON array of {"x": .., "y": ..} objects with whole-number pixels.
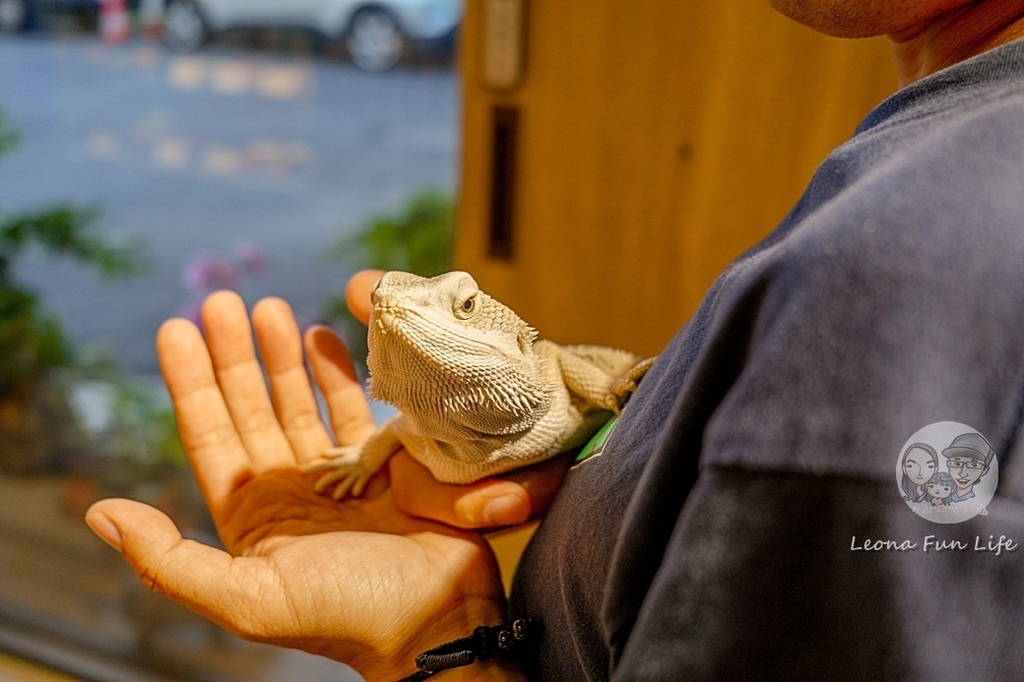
[{"x": 357, "y": 581}]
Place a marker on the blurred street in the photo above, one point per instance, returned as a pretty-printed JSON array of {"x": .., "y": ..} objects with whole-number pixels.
[{"x": 210, "y": 153}]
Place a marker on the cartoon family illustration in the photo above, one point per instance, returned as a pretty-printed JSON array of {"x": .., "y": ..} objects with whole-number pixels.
[{"x": 968, "y": 458}]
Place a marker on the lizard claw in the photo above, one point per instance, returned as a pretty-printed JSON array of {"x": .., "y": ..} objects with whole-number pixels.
[
  {"x": 627, "y": 385},
  {"x": 342, "y": 468}
]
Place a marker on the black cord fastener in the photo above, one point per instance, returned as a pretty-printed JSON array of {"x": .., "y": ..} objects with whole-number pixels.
[{"x": 486, "y": 641}]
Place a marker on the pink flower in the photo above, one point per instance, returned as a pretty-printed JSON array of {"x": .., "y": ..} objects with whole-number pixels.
[
  {"x": 206, "y": 273},
  {"x": 192, "y": 311},
  {"x": 253, "y": 261}
]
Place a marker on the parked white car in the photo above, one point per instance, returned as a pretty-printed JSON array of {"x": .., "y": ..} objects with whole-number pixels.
[{"x": 375, "y": 32}]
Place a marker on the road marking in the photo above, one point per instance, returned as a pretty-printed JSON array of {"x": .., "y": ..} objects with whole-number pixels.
[
  {"x": 171, "y": 153},
  {"x": 233, "y": 77},
  {"x": 102, "y": 143},
  {"x": 221, "y": 160},
  {"x": 266, "y": 155},
  {"x": 186, "y": 73},
  {"x": 286, "y": 81}
]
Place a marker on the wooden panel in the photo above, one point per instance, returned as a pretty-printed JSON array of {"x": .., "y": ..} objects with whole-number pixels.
[{"x": 657, "y": 139}]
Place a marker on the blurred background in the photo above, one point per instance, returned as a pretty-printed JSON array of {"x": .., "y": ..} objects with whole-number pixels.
[
  {"x": 151, "y": 153},
  {"x": 593, "y": 164}
]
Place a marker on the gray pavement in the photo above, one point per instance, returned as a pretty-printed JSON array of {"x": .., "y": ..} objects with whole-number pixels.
[{"x": 198, "y": 154}]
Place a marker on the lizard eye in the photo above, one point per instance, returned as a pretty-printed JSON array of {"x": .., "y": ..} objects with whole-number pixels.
[
  {"x": 467, "y": 307},
  {"x": 375, "y": 294}
]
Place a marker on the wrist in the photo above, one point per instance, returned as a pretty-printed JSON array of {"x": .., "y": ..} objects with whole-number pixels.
[
  {"x": 383, "y": 665},
  {"x": 499, "y": 669},
  {"x": 505, "y": 641}
]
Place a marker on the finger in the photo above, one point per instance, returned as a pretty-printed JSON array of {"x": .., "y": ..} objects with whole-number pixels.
[
  {"x": 488, "y": 503},
  {"x": 188, "y": 572},
  {"x": 293, "y": 400},
  {"x": 542, "y": 481},
  {"x": 517, "y": 497},
  {"x": 351, "y": 420},
  {"x": 218, "y": 459},
  {"x": 229, "y": 338},
  {"x": 357, "y": 293}
]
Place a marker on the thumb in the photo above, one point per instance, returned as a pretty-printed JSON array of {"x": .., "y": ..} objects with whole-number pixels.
[
  {"x": 188, "y": 572},
  {"x": 357, "y": 293}
]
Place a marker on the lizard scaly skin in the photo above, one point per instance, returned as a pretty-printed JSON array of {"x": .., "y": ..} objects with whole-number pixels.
[{"x": 478, "y": 394}]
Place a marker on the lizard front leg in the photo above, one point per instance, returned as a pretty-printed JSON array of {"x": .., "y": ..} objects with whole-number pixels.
[
  {"x": 348, "y": 467},
  {"x": 627, "y": 384},
  {"x": 601, "y": 377}
]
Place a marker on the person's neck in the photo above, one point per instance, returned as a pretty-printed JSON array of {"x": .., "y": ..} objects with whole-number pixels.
[{"x": 942, "y": 41}]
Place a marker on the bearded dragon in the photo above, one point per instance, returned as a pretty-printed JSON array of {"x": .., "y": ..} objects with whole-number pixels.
[{"x": 478, "y": 393}]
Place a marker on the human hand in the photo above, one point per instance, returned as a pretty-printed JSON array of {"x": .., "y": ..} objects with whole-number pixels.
[
  {"x": 359, "y": 581},
  {"x": 488, "y": 503}
]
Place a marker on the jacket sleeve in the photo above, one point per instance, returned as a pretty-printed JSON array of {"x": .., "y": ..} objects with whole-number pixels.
[{"x": 741, "y": 552}]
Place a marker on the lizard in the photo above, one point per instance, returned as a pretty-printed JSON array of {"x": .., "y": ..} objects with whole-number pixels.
[{"x": 478, "y": 393}]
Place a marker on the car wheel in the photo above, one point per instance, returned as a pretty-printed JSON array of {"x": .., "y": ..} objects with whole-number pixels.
[
  {"x": 374, "y": 40},
  {"x": 184, "y": 28},
  {"x": 13, "y": 14}
]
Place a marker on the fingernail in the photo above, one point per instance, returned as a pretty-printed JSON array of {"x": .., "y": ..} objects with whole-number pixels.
[
  {"x": 506, "y": 510},
  {"x": 105, "y": 528}
]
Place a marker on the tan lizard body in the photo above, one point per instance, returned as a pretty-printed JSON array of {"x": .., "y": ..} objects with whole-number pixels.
[{"x": 478, "y": 394}]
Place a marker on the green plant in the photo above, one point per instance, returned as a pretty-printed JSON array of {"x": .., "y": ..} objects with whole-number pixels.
[
  {"x": 141, "y": 445},
  {"x": 416, "y": 238},
  {"x": 32, "y": 341}
]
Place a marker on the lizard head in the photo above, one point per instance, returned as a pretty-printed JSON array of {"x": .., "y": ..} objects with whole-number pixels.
[{"x": 442, "y": 340}]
